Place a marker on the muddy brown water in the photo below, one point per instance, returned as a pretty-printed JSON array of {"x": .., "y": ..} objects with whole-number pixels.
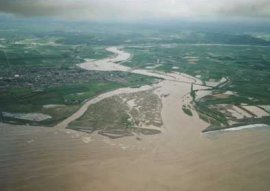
[{"x": 34, "y": 159}]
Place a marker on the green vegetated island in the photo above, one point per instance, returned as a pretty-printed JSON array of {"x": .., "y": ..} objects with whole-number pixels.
[{"x": 42, "y": 84}]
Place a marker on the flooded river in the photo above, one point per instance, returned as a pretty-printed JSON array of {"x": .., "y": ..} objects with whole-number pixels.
[{"x": 180, "y": 158}]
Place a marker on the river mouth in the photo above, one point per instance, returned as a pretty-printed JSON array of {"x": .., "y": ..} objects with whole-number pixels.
[
  {"x": 179, "y": 158},
  {"x": 172, "y": 81}
]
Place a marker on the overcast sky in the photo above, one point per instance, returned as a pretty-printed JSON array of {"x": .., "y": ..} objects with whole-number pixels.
[{"x": 137, "y": 9}]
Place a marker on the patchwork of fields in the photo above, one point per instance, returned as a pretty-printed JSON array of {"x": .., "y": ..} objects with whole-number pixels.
[{"x": 38, "y": 71}]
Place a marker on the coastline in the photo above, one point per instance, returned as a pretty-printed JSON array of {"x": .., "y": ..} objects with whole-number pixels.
[{"x": 63, "y": 159}]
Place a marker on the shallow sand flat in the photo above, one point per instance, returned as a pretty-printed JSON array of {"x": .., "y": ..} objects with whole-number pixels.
[
  {"x": 97, "y": 99},
  {"x": 108, "y": 64},
  {"x": 27, "y": 116},
  {"x": 111, "y": 64}
]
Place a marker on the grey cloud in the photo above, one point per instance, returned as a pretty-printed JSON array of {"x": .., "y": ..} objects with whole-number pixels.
[
  {"x": 27, "y": 8},
  {"x": 133, "y": 9},
  {"x": 259, "y": 8}
]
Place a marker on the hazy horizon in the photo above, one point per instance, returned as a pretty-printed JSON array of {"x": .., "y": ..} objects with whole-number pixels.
[{"x": 138, "y": 10}]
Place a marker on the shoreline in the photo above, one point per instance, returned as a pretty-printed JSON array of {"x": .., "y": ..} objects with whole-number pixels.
[{"x": 236, "y": 127}]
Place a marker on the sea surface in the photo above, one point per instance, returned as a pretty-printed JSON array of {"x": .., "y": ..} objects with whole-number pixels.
[{"x": 37, "y": 159}]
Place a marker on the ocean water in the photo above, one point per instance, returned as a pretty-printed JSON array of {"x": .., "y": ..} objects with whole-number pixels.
[{"x": 36, "y": 158}]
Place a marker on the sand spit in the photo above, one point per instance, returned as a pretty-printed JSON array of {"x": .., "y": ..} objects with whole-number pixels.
[
  {"x": 38, "y": 117},
  {"x": 50, "y": 106},
  {"x": 214, "y": 83},
  {"x": 239, "y": 128}
]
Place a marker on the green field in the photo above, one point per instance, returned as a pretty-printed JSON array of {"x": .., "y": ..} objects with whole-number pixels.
[
  {"x": 40, "y": 71},
  {"x": 247, "y": 67},
  {"x": 38, "y": 67}
]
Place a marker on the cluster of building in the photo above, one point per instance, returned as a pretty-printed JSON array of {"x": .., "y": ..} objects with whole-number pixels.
[{"x": 41, "y": 78}]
